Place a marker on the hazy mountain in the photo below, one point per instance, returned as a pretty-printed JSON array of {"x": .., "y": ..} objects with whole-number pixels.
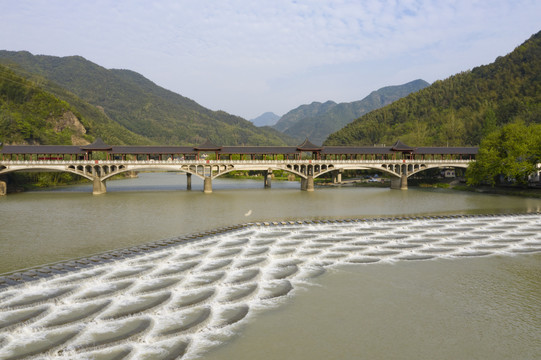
[
  {"x": 459, "y": 110},
  {"x": 266, "y": 119},
  {"x": 139, "y": 105},
  {"x": 317, "y": 120}
]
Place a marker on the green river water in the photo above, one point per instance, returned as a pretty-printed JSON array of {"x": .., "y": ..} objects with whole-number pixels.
[{"x": 485, "y": 307}]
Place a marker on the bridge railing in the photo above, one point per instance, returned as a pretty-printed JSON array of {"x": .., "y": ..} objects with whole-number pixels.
[{"x": 225, "y": 162}]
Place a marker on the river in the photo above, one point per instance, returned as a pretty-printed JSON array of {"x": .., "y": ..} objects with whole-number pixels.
[{"x": 447, "y": 307}]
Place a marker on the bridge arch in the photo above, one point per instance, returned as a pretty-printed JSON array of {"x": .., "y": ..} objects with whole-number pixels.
[
  {"x": 377, "y": 167},
  {"x": 44, "y": 168},
  {"x": 436, "y": 166},
  {"x": 267, "y": 167}
]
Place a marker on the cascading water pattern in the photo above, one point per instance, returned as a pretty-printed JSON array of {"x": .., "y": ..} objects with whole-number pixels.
[{"x": 179, "y": 301}]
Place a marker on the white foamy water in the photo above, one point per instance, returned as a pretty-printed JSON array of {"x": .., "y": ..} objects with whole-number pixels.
[{"x": 180, "y": 301}]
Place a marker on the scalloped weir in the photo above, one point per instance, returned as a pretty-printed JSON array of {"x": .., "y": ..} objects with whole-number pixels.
[{"x": 179, "y": 300}]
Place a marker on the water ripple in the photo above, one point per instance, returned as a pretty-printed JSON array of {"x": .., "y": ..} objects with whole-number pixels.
[{"x": 173, "y": 298}]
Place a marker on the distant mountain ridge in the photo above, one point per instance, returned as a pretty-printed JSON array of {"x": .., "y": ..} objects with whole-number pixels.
[
  {"x": 460, "y": 110},
  {"x": 317, "y": 120},
  {"x": 137, "y": 104},
  {"x": 266, "y": 119}
]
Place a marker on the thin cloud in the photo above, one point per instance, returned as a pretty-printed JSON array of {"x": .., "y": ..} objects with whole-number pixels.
[{"x": 249, "y": 57}]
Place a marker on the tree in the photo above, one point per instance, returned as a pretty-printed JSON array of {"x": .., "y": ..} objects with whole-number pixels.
[{"x": 512, "y": 152}]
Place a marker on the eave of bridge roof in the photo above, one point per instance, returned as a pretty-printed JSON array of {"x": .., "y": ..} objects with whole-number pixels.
[
  {"x": 153, "y": 150},
  {"x": 308, "y": 146},
  {"x": 400, "y": 146},
  {"x": 97, "y": 145},
  {"x": 355, "y": 150},
  {"x": 41, "y": 149},
  {"x": 446, "y": 150},
  {"x": 228, "y": 150},
  {"x": 207, "y": 146},
  {"x": 258, "y": 150}
]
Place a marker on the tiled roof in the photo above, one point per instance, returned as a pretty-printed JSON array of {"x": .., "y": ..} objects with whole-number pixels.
[
  {"x": 258, "y": 150},
  {"x": 41, "y": 149},
  {"x": 308, "y": 146},
  {"x": 208, "y": 146},
  {"x": 153, "y": 150},
  {"x": 97, "y": 145},
  {"x": 400, "y": 146},
  {"x": 355, "y": 150}
]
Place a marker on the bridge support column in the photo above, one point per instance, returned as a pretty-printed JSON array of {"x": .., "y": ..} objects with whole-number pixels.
[
  {"x": 404, "y": 182},
  {"x": 337, "y": 176},
  {"x": 3, "y": 188},
  {"x": 99, "y": 186},
  {"x": 308, "y": 183},
  {"x": 188, "y": 181},
  {"x": 207, "y": 185},
  {"x": 399, "y": 183},
  {"x": 267, "y": 177}
]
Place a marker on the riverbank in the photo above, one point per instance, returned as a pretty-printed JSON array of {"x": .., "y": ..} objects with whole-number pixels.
[
  {"x": 21, "y": 182},
  {"x": 460, "y": 185},
  {"x": 511, "y": 191},
  {"x": 453, "y": 184}
]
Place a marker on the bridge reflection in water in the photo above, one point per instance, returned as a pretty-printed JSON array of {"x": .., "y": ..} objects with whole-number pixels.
[{"x": 307, "y": 161}]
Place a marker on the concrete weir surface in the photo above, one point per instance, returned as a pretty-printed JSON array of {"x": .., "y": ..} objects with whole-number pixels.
[{"x": 178, "y": 298}]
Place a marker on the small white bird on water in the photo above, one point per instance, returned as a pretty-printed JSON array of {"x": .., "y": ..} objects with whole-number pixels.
[{"x": 248, "y": 213}]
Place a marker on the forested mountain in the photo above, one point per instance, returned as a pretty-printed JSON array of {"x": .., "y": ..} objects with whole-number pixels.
[
  {"x": 266, "y": 119},
  {"x": 317, "y": 120},
  {"x": 31, "y": 115},
  {"x": 139, "y": 105},
  {"x": 460, "y": 110}
]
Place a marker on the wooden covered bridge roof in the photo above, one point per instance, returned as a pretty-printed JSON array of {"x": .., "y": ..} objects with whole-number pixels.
[{"x": 306, "y": 146}]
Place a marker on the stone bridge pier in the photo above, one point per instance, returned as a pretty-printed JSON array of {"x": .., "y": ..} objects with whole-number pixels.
[
  {"x": 308, "y": 183},
  {"x": 99, "y": 186},
  {"x": 207, "y": 185},
  {"x": 188, "y": 181},
  {"x": 337, "y": 176},
  {"x": 3, "y": 188},
  {"x": 267, "y": 178},
  {"x": 400, "y": 181}
]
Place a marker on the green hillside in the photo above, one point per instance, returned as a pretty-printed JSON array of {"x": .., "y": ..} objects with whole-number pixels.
[
  {"x": 460, "y": 110},
  {"x": 317, "y": 120},
  {"x": 139, "y": 105},
  {"x": 30, "y": 113}
]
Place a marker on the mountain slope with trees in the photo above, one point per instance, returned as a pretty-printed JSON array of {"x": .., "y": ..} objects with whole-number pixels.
[
  {"x": 317, "y": 120},
  {"x": 139, "y": 105},
  {"x": 30, "y": 114},
  {"x": 460, "y": 110}
]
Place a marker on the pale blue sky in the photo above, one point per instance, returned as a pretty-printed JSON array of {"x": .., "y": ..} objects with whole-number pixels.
[{"x": 247, "y": 57}]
